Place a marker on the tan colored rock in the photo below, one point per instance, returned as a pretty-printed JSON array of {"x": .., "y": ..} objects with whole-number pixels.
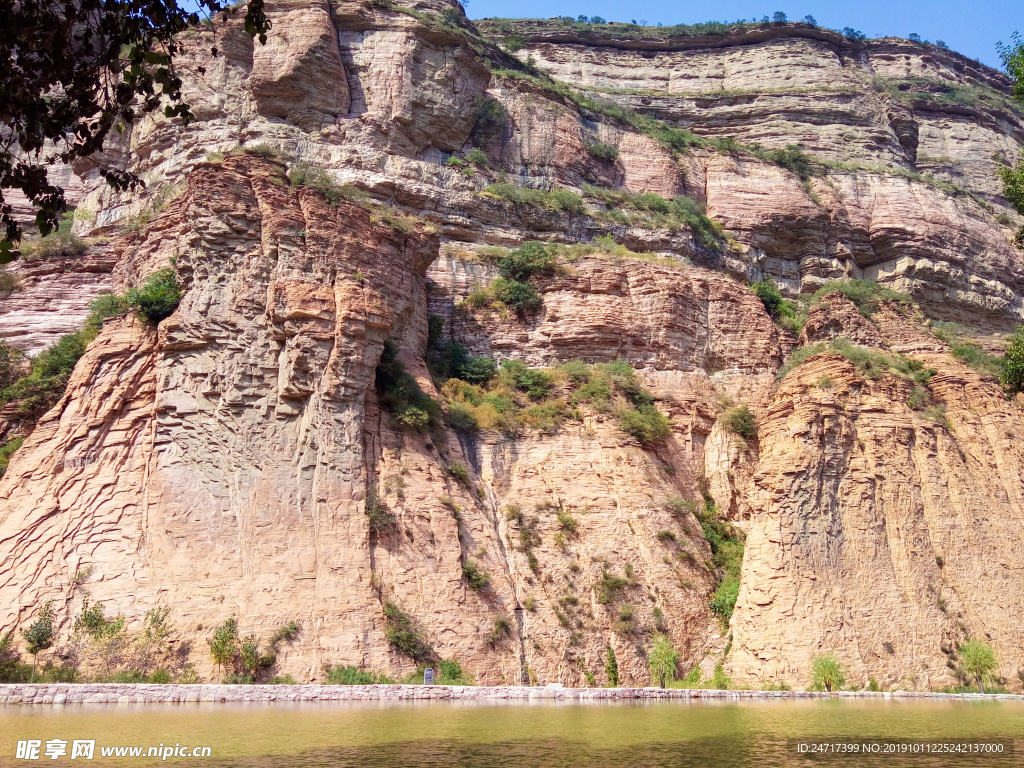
[
  {"x": 873, "y": 532},
  {"x": 54, "y": 298},
  {"x": 298, "y": 74},
  {"x": 221, "y": 465},
  {"x": 836, "y": 316}
]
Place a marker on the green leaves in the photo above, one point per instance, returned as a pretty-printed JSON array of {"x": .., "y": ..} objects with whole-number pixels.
[
  {"x": 39, "y": 635},
  {"x": 1012, "y": 56},
  {"x": 57, "y": 59}
]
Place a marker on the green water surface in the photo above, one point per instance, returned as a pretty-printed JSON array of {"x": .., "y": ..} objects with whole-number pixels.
[{"x": 545, "y": 735}]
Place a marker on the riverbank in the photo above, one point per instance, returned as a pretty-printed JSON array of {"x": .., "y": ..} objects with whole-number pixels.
[{"x": 141, "y": 693}]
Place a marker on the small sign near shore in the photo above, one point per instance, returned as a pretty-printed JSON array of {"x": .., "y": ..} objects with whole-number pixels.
[{"x": 428, "y": 676}]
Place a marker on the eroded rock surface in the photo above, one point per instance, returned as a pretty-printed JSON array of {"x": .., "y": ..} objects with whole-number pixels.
[{"x": 221, "y": 464}]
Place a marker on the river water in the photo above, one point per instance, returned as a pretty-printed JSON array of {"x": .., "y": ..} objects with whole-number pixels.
[{"x": 542, "y": 735}]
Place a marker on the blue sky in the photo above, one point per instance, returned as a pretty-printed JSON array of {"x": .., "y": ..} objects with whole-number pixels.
[{"x": 971, "y": 27}]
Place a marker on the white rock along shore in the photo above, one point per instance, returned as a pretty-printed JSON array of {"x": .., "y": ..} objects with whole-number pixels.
[{"x": 142, "y": 693}]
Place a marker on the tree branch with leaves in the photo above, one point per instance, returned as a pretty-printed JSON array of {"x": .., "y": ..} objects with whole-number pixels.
[{"x": 73, "y": 70}]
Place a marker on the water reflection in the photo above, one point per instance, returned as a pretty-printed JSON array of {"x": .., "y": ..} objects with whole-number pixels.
[{"x": 602, "y": 735}]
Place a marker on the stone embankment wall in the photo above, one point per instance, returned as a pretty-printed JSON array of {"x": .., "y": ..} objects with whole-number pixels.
[{"x": 100, "y": 693}]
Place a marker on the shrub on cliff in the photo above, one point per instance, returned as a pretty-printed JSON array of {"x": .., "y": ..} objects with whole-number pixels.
[
  {"x": 646, "y": 423},
  {"x": 399, "y": 392},
  {"x": 380, "y": 517},
  {"x": 727, "y": 554},
  {"x": 7, "y": 451},
  {"x": 603, "y": 151},
  {"x": 966, "y": 351},
  {"x": 1012, "y": 56},
  {"x": 59, "y": 245},
  {"x": 867, "y": 295},
  {"x": 1012, "y": 376},
  {"x": 647, "y": 209},
  {"x": 740, "y": 421},
  {"x": 158, "y": 297},
  {"x": 781, "y": 311},
  {"x": 530, "y": 259},
  {"x": 303, "y": 174},
  {"x": 476, "y": 576},
  {"x": 404, "y": 636},
  {"x": 556, "y": 199},
  {"x": 535, "y": 383},
  {"x": 1013, "y": 189}
]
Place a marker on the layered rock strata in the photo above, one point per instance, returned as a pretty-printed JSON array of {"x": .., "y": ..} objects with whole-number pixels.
[{"x": 221, "y": 464}]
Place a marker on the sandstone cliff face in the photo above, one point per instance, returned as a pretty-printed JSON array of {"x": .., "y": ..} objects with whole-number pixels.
[
  {"x": 879, "y": 530},
  {"x": 234, "y": 449},
  {"x": 221, "y": 464}
]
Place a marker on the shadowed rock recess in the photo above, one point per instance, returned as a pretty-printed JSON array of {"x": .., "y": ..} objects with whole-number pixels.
[{"x": 337, "y": 212}]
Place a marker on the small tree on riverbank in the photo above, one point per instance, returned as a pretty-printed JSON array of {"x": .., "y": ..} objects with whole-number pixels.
[
  {"x": 224, "y": 645},
  {"x": 827, "y": 672},
  {"x": 662, "y": 660},
  {"x": 39, "y": 635},
  {"x": 978, "y": 661}
]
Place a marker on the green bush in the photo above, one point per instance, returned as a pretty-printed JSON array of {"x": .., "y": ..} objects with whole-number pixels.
[
  {"x": 7, "y": 451},
  {"x": 491, "y": 117},
  {"x": 740, "y": 421},
  {"x": 719, "y": 680},
  {"x": 502, "y": 628},
  {"x": 531, "y": 258},
  {"x": 477, "y": 156},
  {"x": 557, "y": 199},
  {"x": 603, "y": 151},
  {"x": 978, "y": 662},
  {"x": 609, "y": 586},
  {"x": 352, "y": 675},
  {"x": 535, "y": 383},
  {"x": 967, "y": 351},
  {"x": 10, "y": 660},
  {"x": 520, "y": 297},
  {"x": 450, "y": 673},
  {"x": 1012, "y": 375},
  {"x": 305, "y": 175},
  {"x": 662, "y": 660},
  {"x": 867, "y": 295},
  {"x": 646, "y": 423},
  {"x": 404, "y": 636},
  {"x": 727, "y": 553},
  {"x": 452, "y": 361},
  {"x": 651, "y": 210},
  {"x": 611, "y": 668},
  {"x": 59, "y": 245},
  {"x": 460, "y": 472},
  {"x": 475, "y": 575},
  {"x": 792, "y": 158},
  {"x": 265, "y": 151},
  {"x": 157, "y": 299},
  {"x": 781, "y": 311},
  {"x": 827, "y": 673},
  {"x": 381, "y": 518},
  {"x": 399, "y": 392}
]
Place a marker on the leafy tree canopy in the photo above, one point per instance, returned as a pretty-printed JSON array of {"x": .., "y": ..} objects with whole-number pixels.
[
  {"x": 75, "y": 69},
  {"x": 1012, "y": 55}
]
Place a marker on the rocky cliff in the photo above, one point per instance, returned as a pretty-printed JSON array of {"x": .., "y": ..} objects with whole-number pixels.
[{"x": 238, "y": 458}]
